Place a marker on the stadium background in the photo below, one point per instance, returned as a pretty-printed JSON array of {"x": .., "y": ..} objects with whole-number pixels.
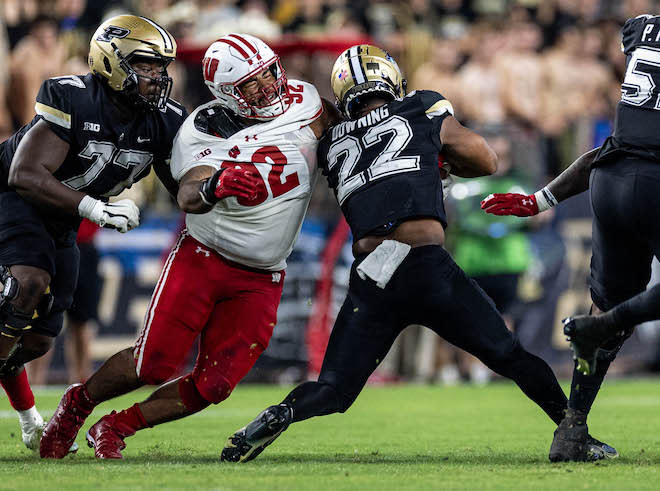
[{"x": 539, "y": 78}]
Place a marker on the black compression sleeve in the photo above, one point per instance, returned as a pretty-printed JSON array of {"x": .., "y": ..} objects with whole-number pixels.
[{"x": 643, "y": 307}]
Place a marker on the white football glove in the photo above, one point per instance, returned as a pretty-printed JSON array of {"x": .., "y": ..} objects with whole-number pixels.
[{"x": 121, "y": 215}]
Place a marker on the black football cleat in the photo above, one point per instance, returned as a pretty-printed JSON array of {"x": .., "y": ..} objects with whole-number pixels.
[
  {"x": 248, "y": 442},
  {"x": 586, "y": 334}
]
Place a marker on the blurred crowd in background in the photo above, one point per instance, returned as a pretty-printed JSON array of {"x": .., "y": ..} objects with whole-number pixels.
[{"x": 540, "y": 79}]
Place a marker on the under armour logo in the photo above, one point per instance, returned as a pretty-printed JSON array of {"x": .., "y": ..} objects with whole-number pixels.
[
  {"x": 203, "y": 251},
  {"x": 277, "y": 277},
  {"x": 233, "y": 153},
  {"x": 247, "y": 137},
  {"x": 527, "y": 202}
]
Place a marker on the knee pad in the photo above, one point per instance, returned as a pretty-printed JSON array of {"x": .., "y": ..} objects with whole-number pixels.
[
  {"x": 9, "y": 287},
  {"x": 190, "y": 396},
  {"x": 45, "y": 304},
  {"x": 212, "y": 386},
  {"x": 13, "y": 322}
]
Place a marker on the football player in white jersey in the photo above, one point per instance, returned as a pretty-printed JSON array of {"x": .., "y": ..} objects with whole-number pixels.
[{"x": 246, "y": 164}]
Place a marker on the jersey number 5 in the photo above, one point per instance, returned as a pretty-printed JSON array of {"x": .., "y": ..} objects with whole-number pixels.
[
  {"x": 385, "y": 164},
  {"x": 638, "y": 86},
  {"x": 273, "y": 156}
]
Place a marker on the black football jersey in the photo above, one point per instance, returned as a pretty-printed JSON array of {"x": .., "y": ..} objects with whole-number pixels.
[
  {"x": 638, "y": 113},
  {"x": 111, "y": 146},
  {"x": 383, "y": 167}
]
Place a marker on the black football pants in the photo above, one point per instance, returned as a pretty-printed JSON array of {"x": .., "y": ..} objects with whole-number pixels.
[
  {"x": 429, "y": 289},
  {"x": 625, "y": 199}
]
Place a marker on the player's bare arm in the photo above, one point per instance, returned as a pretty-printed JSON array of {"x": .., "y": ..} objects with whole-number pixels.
[
  {"x": 574, "y": 180},
  {"x": 188, "y": 196},
  {"x": 212, "y": 185},
  {"x": 468, "y": 152},
  {"x": 38, "y": 156}
]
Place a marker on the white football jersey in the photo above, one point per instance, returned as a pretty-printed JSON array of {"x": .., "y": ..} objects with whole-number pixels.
[{"x": 258, "y": 233}]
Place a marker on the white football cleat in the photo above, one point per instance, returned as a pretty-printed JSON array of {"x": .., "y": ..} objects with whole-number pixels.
[{"x": 32, "y": 427}]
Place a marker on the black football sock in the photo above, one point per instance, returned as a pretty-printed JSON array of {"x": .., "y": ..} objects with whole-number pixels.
[
  {"x": 585, "y": 387},
  {"x": 311, "y": 399}
]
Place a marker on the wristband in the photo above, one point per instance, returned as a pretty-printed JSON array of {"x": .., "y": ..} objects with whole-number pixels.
[
  {"x": 86, "y": 207},
  {"x": 545, "y": 199},
  {"x": 202, "y": 191}
]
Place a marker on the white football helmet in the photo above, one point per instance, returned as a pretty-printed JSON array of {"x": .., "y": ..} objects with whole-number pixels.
[{"x": 233, "y": 59}]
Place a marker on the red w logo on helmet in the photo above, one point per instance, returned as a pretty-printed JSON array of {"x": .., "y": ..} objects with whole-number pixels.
[{"x": 210, "y": 66}]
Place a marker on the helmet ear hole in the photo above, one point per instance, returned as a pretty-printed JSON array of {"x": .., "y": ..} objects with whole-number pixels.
[{"x": 106, "y": 63}]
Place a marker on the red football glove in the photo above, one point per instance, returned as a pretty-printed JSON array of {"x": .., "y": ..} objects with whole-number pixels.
[
  {"x": 520, "y": 205},
  {"x": 230, "y": 181},
  {"x": 235, "y": 181},
  {"x": 444, "y": 166}
]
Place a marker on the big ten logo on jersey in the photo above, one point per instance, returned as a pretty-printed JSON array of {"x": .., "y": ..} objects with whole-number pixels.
[
  {"x": 91, "y": 127},
  {"x": 203, "y": 153},
  {"x": 277, "y": 183}
]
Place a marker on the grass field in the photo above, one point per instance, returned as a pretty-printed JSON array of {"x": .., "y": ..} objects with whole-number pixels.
[{"x": 396, "y": 437}]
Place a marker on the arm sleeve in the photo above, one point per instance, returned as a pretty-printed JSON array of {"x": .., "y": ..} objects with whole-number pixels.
[
  {"x": 436, "y": 108},
  {"x": 54, "y": 106},
  {"x": 643, "y": 307},
  {"x": 162, "y": 170}
]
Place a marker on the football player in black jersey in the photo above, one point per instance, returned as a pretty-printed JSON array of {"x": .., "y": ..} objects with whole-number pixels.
[
  {"x": 383, "y": 167},
  {"x": 587, "y": 333},
  {"x": 624, "y": 178},
  {"x": 92, "y": 137}
]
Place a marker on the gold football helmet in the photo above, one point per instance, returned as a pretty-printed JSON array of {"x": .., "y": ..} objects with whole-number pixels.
[
  {"x": 123, "y": 40},
  {"x": 365, "y": 69}
]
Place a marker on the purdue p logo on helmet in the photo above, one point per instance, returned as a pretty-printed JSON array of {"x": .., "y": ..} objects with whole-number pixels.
[
  {"x": 365, "y": 69},
  {"x": 121, "y": 40}
]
